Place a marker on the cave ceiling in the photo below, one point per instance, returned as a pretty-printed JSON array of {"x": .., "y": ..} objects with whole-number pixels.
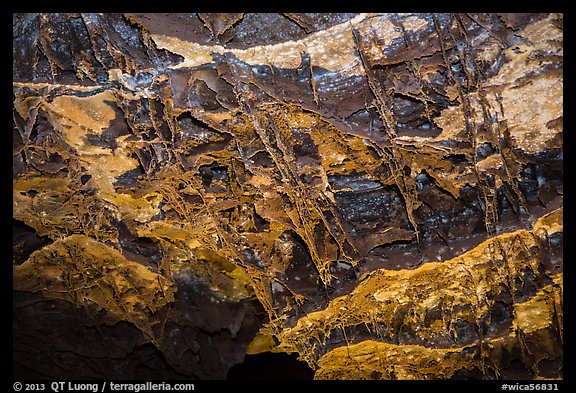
[{"x": 381, "y": 194}]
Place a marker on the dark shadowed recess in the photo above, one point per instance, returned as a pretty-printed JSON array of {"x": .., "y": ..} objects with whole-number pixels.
[
  {"x": 25, "y": 241},
  {"x": 271, "y": 366}
]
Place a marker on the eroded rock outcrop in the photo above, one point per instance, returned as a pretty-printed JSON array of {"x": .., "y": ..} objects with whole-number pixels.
[{"x": 374, "y": 189}]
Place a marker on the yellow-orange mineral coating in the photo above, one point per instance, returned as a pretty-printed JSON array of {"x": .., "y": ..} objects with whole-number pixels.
[{"x": 379, "y": 193}]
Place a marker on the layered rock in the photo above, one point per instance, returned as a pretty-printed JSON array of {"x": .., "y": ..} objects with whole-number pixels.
[{"x": 374, "y": 189}]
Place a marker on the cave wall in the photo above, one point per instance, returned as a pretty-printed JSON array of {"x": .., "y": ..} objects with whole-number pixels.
[{"x": 381, "y": 194}]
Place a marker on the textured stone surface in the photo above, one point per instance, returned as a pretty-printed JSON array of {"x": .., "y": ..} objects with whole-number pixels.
[
  {"x": 486, "y": 295},
  {"x": 374, "y": 189}
]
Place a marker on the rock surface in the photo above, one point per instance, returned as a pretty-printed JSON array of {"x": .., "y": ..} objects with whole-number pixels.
[{"x": 380, "y": 193}]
